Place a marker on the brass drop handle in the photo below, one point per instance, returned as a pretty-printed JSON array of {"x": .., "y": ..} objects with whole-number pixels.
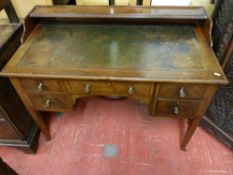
[
  {"x": 176, "y": 109},
  {"x": 130, "y": 90},
  {"x": 87, "y": 88},
  {"x": 40, "y": 86},
  {"x": 182, "y": 93},
  {"x": 47, "y": 103}
]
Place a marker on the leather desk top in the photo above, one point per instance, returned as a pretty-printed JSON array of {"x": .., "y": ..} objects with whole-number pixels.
[{"x": 117, "y": 52}]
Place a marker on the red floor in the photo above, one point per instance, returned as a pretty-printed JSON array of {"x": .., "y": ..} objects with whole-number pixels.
[{"x": 147, "y": 145}]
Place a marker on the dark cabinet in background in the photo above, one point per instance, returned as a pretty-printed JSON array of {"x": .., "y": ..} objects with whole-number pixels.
[
  {"x": 219, "y": 117},
  {"x": 16, "y": 126}
]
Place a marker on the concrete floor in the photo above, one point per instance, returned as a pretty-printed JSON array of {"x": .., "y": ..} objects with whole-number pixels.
[{"x": 105, "y": 137}]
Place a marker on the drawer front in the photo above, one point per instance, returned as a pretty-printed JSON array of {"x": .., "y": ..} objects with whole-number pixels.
[
  {"x": 6, "y": 131},
  {"x": 50, "y": 102},
  {"x": 40, "y": 85},
  {"x": 181, "y": 91},
  {"x": 176, "y": 108},
  {"x": 109, "y": 88}
]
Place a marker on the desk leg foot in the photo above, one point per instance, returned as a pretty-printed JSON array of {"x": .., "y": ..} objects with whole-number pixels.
[
  {"x": 47, "y": 138},
  {"x": 189, "y": 133},
  {"x": 183, "y": 148}
]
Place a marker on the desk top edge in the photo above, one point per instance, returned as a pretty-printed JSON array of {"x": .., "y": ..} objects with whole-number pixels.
[{"x": 160, "y": 12}]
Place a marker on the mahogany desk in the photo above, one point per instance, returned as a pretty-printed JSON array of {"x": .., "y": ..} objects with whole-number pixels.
[{"x": 158, "y": 55}]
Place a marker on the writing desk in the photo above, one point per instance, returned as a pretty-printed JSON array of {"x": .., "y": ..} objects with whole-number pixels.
[{"x": 158, "y": 55}]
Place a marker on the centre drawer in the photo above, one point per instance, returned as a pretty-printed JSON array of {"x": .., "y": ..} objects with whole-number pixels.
[
  {"x": 181, "y": 91},
  {"x": 50, "y": 102},
  {"x": 109, "y": 88},
  {"x": 181, "y": 108},
  {"x": 41, "y": 85}
]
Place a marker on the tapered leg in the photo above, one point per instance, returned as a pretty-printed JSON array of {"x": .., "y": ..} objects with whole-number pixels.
[
  {"x": 35, "y": 114},
  {"x": 209, "y": 93},
  {"x": 40, "y": 122},
  {"x": 189, "y": 133}
]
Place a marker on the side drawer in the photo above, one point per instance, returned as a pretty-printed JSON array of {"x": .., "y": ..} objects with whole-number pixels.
[
  {"x": 41, "y": 85},
  {"x": 50, "y": 102},
  {"x": 181, "y": 91},
  {"x": 109, "y": 88},
  {"x": 184, "y": 108}
]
